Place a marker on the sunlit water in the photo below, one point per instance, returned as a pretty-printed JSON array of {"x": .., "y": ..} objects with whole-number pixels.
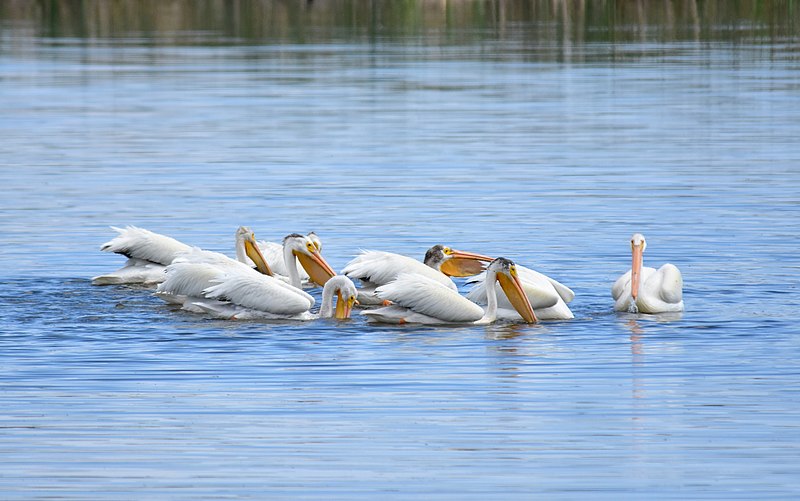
[{"x": 494, "y": 146}]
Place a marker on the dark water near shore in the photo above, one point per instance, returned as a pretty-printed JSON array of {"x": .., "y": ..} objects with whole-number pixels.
[{"x": 541, "y": 131}]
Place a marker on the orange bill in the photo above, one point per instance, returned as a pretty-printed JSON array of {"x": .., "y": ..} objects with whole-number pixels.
[
  {"x": 636, "y": 270},
  {"x": 343, "y": 306},
  {"x": 464, "y": 264},
  {"x": 254, "y": 253},
  {"x": 517, "y": 297},
  {"x": 315, "y": 265}
]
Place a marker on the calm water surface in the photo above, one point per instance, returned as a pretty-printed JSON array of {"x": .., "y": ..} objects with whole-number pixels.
[{"x": 547, "y": 136}]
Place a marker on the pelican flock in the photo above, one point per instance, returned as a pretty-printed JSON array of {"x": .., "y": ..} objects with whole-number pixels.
[{"x": 266, "y": 280}]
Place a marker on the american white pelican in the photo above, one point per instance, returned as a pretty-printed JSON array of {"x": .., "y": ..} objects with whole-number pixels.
[
  {"x": 185, "y": 284},
  {"x": 647, "y": 290},
  {"x": 419, "y": 299},
  {"x": 547, "y": 296},
  {"x": 149, "y": 253},
  {"x": 248, "y": 297},
  {"x": 274, "y": 255},
  {"x": 376, "y": 268},
  {"x": 239, "y": 293}
]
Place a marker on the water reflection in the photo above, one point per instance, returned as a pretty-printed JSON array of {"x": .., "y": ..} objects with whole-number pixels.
[
  {"x": 439, "y": 21},
  {"x": 637, "y": 360},
  {"x": 499, "y": 331}
]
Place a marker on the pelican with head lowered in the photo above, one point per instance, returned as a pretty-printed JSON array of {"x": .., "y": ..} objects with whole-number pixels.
[
  {"x": 245, "y": 295},
  {"x": 418, "y": 299},
  {"x": 647, "y": 290},
  {"x": 376, "y": 268}
]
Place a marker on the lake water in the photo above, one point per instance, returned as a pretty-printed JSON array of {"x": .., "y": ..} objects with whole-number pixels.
[{"x": 544, "y": 132}]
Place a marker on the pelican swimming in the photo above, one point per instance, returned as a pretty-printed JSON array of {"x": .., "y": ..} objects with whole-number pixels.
[
  {"x": 376, "y": 268},
  {"x": 149, "y": 253},
  {"x": 547, "y": 296},
  {"x": 188, "y": 284},
  {"x": 240, "y": 293},
  {"x": 647, "y": 290},
  {"x": 419, "y": 299}
]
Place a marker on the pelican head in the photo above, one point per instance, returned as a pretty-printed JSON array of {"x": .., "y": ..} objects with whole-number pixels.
[
  {"x": 315, "y": 239},
  {"x": 346, "y": 293},
  {"x": 638, "y": 245},
  {"x": 310, "y": 258},
  {"x": 246, "y": 246},
  {"x": 455, "y": 263},
  {"x": 506, "y": 275}
]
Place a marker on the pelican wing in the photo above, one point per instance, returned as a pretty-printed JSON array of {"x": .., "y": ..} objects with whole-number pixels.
[
  {"x": 429, "y": 297},
  {"x": 667, "y": 284},
  {"x": 622, "y": 285},
  {"x": 259, "y": 292},
  {"x": 380, "y": 268},
  {"x": 565, "y": 292},
  {"x": 188, "y": 279},
  {"x": 198, "y": 255},
  {"x": 143, "y": 244},
  {"x": 135, "y": 271},
  {"x": 230, "y": 311},
  {"x": 400, "y": 315}
]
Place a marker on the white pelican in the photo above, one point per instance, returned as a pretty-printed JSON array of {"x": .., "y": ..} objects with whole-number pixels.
[
  {"x": 647, "y": 290},
  {"x": 547, "y": 296},
  {"x": 149, "y": 253},
  {"x": 419, "y": 299},
  {"x": 376, "y": 268},
  {"x": 249, "y": 297},
  {"x": 273, "y": 254},
  {"x": 239, "y": 293},
  {"x": 186, "y": 285}
]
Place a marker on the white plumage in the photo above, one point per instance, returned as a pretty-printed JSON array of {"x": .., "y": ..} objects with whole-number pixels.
[
  {"x": 428, "y": 297},
  {"x": 191, "y": 283},
  {"x": 418, "y": 299},
  {"x": 138, "y": 243},
  {"x": 238, "y": 292},
  {"x": 204, "y": 281},
  {"x": 376, "y": 268},
  {"x": 548, "y": 297},
  {"x": 148, "y": 254},
  {"x": 259, "y": 292},
  {"x": 647, "y": 290}
]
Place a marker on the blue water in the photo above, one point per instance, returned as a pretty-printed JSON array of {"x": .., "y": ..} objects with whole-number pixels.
[{"x": 490, "y": 145}]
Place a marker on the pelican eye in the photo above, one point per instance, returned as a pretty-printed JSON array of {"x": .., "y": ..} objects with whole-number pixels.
[
  {"x": 310, "y": 246},
  {"x": 512, "y": 270},
  {"x": 447, "y": 250}
]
